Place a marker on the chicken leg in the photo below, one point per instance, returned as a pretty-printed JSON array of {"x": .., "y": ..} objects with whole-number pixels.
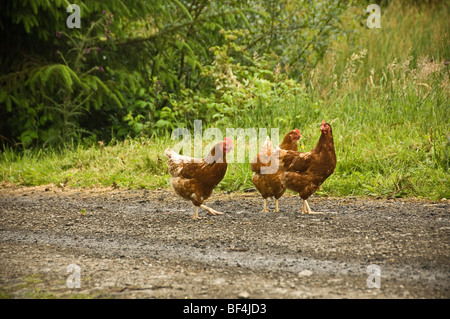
[
  {"x": 276, "y": 206},
  {"x": 307, "y": 210},
  {"x": 265, "y": 206},
  {"x": 195, "y": 216}
]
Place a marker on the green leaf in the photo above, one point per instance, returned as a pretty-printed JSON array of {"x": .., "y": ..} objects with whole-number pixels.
[
  {"x": 163, "y": 123},
  {"x": 183, "y": 8},
  {"x": 244, "y": 18},
  {"x": 141, "y": 104}
]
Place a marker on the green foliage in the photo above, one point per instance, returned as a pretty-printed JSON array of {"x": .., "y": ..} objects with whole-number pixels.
[
  {"x": 45, "y": 100},
  {"x": 138, "y": 68}
]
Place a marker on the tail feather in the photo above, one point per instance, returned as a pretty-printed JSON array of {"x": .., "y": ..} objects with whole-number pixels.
[
  {"x": 176, "y": 158},
  {"x": 168, "y": 152}
]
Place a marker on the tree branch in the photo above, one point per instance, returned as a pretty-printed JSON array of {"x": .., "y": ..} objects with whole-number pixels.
[{"x": 170, "y": 29}]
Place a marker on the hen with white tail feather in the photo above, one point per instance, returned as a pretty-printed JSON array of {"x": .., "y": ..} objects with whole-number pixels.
[{"x": 195, "y": 179}]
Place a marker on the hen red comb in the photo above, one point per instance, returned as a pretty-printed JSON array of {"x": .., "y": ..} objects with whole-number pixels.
[
  {"x": 228, "y": 140},
  {"x": 297, "y": 131}
]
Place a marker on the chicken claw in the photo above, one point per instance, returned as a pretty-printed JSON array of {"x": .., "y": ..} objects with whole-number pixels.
[
  {"x": 211, "y": 211},
  {"x": 194, "y": 217}
]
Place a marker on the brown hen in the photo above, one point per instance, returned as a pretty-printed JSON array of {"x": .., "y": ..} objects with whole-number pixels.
[
  {"x": 195, "y": 179},
  {"x": 266, "y": 176},
  {"x": 305, "y": 172}
]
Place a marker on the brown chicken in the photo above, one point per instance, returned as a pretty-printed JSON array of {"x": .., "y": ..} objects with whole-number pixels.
[
  {"x": 195, "y": 179},
  {"x": 268, "y": 183},
  {"x": 305, "y": 172}
]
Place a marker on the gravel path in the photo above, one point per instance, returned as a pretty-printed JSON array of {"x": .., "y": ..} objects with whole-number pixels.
[{"x": 142, "y": 244}]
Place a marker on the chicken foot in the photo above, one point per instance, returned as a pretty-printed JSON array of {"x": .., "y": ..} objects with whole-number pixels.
[
  {"x": 307, "y": 210},
  {"x": 195, "y": 216},
  {"x": 210, "y": 210},
  {"x": 265, "y": 210}
]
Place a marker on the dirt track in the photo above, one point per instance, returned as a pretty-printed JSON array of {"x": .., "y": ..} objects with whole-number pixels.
[{"x": 142, "y": 244}]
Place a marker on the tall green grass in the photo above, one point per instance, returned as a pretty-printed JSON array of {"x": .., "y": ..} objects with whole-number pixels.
[
  {"x": 385, "y": 93},
  {"x": 387, "y": 97}
]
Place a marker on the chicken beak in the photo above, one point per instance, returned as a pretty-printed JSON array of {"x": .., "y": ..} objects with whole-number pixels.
[
  {"x": 228, "y": 144},
  {"x": 228, "y": 148},
  {"x": 322, "y": 126}
]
